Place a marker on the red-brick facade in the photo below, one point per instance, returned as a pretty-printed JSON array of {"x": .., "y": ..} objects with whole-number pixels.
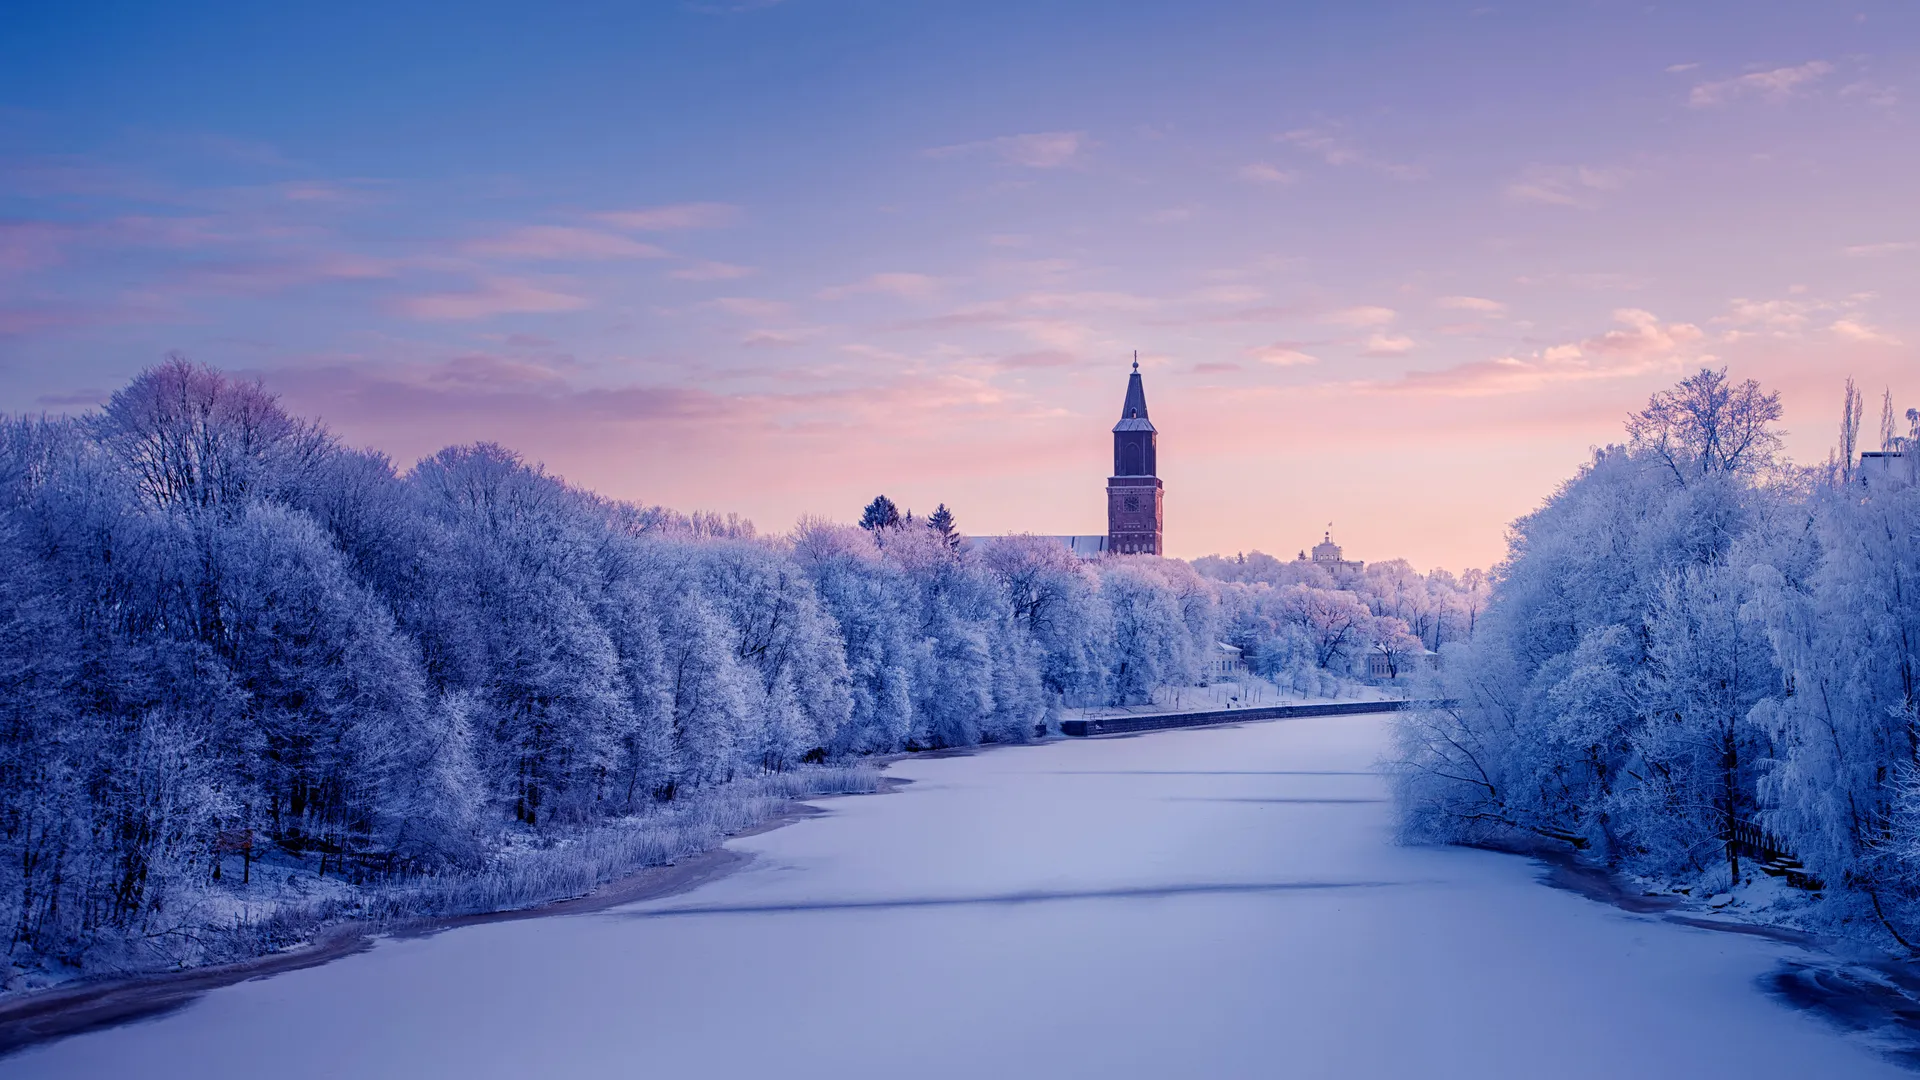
[{"x": 1135, "y": 497}]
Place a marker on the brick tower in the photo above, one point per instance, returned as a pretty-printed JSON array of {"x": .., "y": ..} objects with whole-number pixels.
[{"x": 1134, "y": 493}]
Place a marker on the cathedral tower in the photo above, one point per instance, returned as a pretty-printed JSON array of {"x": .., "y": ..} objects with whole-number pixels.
[{"x": 1134, "y": 493}]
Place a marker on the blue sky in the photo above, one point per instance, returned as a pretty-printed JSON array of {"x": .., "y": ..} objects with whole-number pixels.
[{"x": 1383, "y": 262}]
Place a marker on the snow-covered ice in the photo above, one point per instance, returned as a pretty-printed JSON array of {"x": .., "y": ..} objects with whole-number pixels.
[{"x": 1223, "y": 902}]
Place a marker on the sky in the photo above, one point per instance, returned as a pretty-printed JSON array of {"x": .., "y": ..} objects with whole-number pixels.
[{"x": 1392, "y": 268}]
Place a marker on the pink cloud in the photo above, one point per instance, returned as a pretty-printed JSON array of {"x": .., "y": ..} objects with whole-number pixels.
[
  {"x": 1261, "y": 172},
  {"x": 1381, "y": 345},
  {"x": 1282, "y": 354},
  {"x": 1330, "y": 145},
  {"x": 1641, "y": 345},
  {"x": 1471, "y": 303},
  {"x": 31, "y": 245},
  {"x": 1578, "y": 186},
  {"x": 1775, "y": 85},
  {"x": 1037, "y": 150},
  {"x": 905, "y": 286},
  {"x": 781, "y": 338},
  {"x": 697, "y": 215},
  {"x": 562, "y": 243},
  {"x": 1045, "y": 358},
  {"x": 712, "y": 271},
  {"x": 1855, "y": 330},
  {"x": 495, "y": 296},
  {"x": 1869, "y": 251},
  {"x": 751, "y": 307},
  {"x": 1360, "y": 316}
]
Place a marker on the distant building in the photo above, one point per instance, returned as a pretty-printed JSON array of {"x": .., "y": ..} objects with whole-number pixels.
[
  {"x": 1135, "y": 513},
  {"x": 1134, "y": 492},
  {"x": 1380, "y": 667},
  {"x": 1227, "y": 661},
  {"x": 1327, "y": 553},
  {"x": 1884, "y": 469}
]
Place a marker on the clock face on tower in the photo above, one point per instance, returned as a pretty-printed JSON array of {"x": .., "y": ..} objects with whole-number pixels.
[{"x": 1133, "y": 502}]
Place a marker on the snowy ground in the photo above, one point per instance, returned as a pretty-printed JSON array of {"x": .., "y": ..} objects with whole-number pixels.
[{"x": 1208, "y": 903}]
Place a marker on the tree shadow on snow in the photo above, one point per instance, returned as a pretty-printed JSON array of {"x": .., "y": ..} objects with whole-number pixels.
[
  {"x": 1212, "y": 772},
  {"x": 1037, "y": 896},
  {"x": 1279, "y": 799}
]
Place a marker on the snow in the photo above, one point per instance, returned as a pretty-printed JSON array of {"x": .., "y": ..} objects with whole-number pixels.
[{"x": 1221, "y": 902}]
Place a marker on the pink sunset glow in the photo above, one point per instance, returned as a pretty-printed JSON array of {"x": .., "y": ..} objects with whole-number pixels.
[{"x": 1406, "y": 306}]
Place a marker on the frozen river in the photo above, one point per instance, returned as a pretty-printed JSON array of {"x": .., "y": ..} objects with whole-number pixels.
[{"x": 1211, "y": 903}]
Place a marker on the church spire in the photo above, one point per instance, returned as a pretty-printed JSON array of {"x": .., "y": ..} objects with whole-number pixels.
[
  {"x": 1134, "y": 491},
  {"x": 1135, "y": 405}
]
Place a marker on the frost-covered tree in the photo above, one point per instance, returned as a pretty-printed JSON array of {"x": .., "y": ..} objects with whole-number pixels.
[{"x": 1695, "y": 655}]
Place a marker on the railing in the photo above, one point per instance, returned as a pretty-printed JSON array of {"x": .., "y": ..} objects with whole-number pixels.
[
  {"x": 1771, "y": 854},
  {"x": 1117, "y": 725}
]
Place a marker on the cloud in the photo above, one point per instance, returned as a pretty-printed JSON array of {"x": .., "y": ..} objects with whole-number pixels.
[
  {"x": 697, "y": 215},
  {"x": 244, "y": 151},
  {"x": 1854, "y": 330},
  {"x": 1876, "y": 94},
  {"x": 1471, "y": 303},
  {"x": 1335, "y": 148},
  {"x": 1566, "y": 185},
  {"x": 1868, "y": 251},
  {"x": 1262, "y": 173},
  {"x": 1332, "y": 149},
  {"x": 30, "y": 245},
  {"x": 1360, "y": 316},
  {"x": 750, "y": 306},
  {"x": 1776, "y": 85},
  {"x": 1037, "y": 150},
  {"x": 562, "y": 243},
  {"x": 1282, "y": 354},
  {"x": 1640, "y": 345},
  {"x": 1675, "y": 69},
  {"x": 1388, "y": 345},
  {"x": 712, "y": 271},
  {"x": 1644, "y": 335},
  {"x": 1043, "y": 358},
  {"x": 1777, "y": 317},
  {"x": 82, "y": 399},
  {"x": 781, "y": 338},
  {"x": 1215, "y": 367},
  {"x": 319, "y": 191},
  {"x": 1229, "y": 294},
  {"x": 905, "y": 286},
  {"x": 495, "y": 296},
  {"x": 486, "y": 371}
]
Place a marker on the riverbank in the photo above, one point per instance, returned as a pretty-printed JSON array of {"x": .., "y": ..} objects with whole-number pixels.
[
  {"x": 664, "y": 866},
  {"x": 1226, "y": 901}
]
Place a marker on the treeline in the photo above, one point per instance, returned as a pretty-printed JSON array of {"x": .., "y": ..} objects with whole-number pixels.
[
  {"x": 1697, "y": 655},
  {"x": 1305, "y": 624},
  {"x": 227, "y": 640}
]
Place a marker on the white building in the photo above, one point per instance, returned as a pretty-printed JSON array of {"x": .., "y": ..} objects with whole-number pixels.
[
  {"x": 1227, "y": 662},
  {"x": 1884, "y": 469},
  {"x": 1328, "y": 554}
]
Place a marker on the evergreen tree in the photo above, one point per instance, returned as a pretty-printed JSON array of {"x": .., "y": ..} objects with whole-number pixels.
[
  {"x": 880, "y": 514},
  {"x": 941, "y": 522}
]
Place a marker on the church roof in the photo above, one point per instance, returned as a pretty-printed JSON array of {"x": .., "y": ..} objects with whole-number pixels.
[{"x": 1133, "y": 411}]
